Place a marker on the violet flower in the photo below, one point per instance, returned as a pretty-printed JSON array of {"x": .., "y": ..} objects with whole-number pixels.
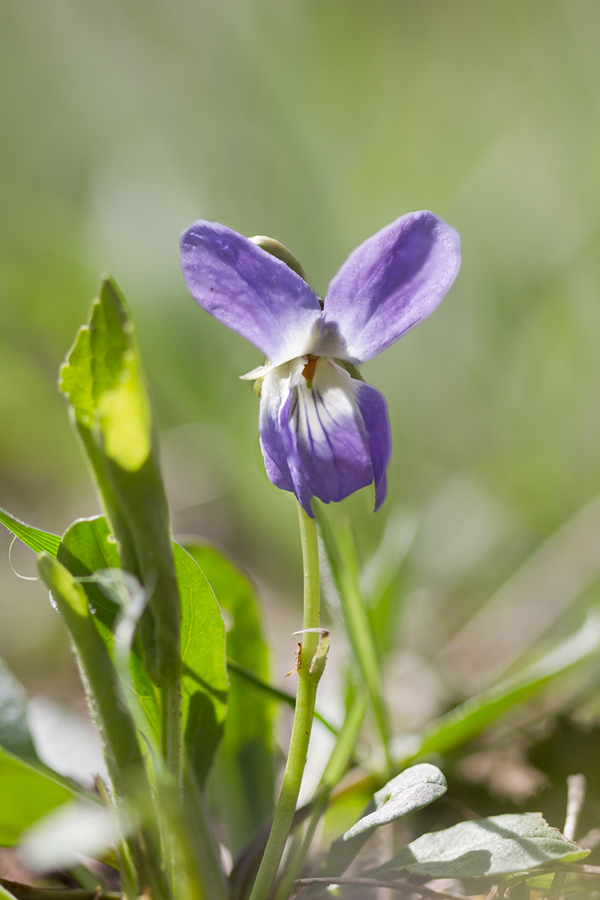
[{"x": 323, "y": 431}]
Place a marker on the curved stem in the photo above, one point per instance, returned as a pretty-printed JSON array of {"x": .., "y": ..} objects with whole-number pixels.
[{"x": 303, "y": 717}]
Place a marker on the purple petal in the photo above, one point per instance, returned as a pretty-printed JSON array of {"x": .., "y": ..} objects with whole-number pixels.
[
  {"x": 388, "y": 285},
  {"x": 250, "y": 291},
  {"x": 373, "y": 408},
  {"x": 328, "y": 445},
  {"x": 277, "y": 392},
  {"x": 275, "y": 398}
]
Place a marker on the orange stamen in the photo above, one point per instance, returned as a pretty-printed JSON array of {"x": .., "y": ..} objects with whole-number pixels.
[{"x": 309, "y": 369}]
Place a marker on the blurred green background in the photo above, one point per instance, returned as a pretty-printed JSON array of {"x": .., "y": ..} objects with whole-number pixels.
[{"x": 316, "y": 122}]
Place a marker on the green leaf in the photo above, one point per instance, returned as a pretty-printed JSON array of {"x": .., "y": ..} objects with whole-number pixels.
[
  {"x": 500, "y": 845},
  {"x": 87, "y": 371},
  {"x": 243, "y": 778},
  {"x": 15, "y": 737},
  {"x": 122, "y": 752},
  {"x": 14, "y": 730},
  {"x": 37, "y": 540},
  {"x": 340, "y": 551},
  {"x": 460, "y": 725},
  {"x": 86, "y": 547},
  {"x": 409, "y": 791},
  {"x": 204, "y": 683},
  {"x": 104, "y": 382},
  {"x": 27, "y": 795}
]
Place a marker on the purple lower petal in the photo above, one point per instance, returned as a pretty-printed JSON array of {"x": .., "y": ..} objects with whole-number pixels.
[
  {"x": 326, "y": 438},
  {"x": 389, "y": 284},
  {"x": 374, "y": 412},
  {"x": 275, "y": 398},
  {"x": 277, "y": 393},
  {"x": 328, "y": 442},
  {"x": 250, "y": 291}
]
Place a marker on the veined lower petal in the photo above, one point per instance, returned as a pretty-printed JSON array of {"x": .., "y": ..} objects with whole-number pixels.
[
  {"x": 275, "y": 399},
  {"x": 328, "y": 443}
]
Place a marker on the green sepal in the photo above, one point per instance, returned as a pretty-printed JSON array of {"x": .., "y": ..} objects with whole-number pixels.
[{"x": 279, "y": 251}]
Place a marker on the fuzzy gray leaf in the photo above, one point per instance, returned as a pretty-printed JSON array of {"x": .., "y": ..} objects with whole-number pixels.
[
  {"x": 411, "y": 790},
  {"x": 500, "y": 845}
]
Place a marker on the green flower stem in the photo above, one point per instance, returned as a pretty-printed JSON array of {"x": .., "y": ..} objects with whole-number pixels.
[
  {"x": 334, "y": 771},
  {"x": 289, "y": 699},
  {"x": 303, "y": 716}
]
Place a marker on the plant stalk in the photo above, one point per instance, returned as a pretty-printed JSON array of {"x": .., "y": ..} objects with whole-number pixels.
[
  {"x": 308, "y": 679},
  {"x": 334, "y": 771}
]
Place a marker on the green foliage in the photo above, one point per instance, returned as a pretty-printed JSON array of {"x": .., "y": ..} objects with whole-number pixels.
[
  {"x": 500, "y": 845},
  {"x": 113, "y": 720},
  {"x": 122, "y": 751},
  {"x": 340, "y": 552},
  {"x": 408, "y": 792},
  {"x": 104, "y": 383},
  {"x": 145, "y": 618},
  {"x": 204, "y": 684},
  {"x": 86, "y": 548},
  {"x": 29, "y": 788},
  {"x": 413, "y": 789},
  {"x": 244, "y": 773},
  {"x": 14, "y": 729},
  {"x": 39, "y": 541},
  {"x": 27, "y": 795}
]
